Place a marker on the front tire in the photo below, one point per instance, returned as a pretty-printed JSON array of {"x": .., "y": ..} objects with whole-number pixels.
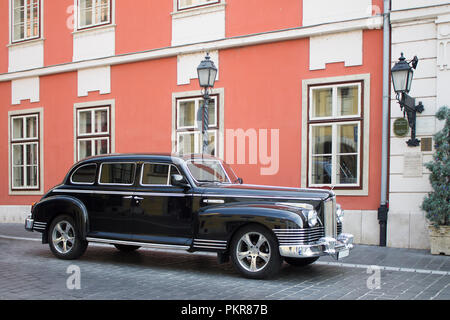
[
  {"x": 64, "y": 238},
  {"x": 255, "y": 253}
]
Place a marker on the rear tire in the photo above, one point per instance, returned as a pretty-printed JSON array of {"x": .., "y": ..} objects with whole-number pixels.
[
  {"x": 64, "y": 238},
  {"x": 255, "y": 252},
  {"x": 300, "y": 262},
  {"x": 125, "y": 248}
]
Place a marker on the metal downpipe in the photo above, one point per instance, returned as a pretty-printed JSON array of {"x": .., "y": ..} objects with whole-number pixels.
[{"x": 383, "y": 209}]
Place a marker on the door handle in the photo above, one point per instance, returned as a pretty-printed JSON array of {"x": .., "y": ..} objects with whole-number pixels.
[
  {"x": 127, "y": 197},
  {"x": 137, "y": 198}
]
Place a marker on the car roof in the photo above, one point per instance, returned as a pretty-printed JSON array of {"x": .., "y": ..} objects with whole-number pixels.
[{"x": 169, "y": 157}]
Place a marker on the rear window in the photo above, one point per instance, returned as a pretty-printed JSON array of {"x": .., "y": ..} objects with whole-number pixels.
[
  {"x": 117, "y": 173},
  {"x": 85, "y": 174}
]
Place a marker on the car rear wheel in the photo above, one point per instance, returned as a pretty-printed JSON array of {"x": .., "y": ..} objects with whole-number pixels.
[
  {"x": 300, "y": 262},
  {"x": 126, "y": 248},
  {"x": 64, "y": 238},
  {"x": 255, "y": 253}
]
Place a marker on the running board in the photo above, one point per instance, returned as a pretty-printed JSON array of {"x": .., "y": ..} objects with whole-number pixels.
[{"x": 140, "y": 244}]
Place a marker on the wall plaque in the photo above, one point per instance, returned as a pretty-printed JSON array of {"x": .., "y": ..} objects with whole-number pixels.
[
  {"x": 412, "y": 165},
  {"x": 401, "y": 127}
]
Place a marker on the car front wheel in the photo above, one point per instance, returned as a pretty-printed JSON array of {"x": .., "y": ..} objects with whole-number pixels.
[
  {"x": 255, "y": 253},
  {"x": 64, "y": 238}
]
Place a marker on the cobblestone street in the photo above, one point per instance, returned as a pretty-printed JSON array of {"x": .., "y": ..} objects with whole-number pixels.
[{"x": 28, "y": 270}]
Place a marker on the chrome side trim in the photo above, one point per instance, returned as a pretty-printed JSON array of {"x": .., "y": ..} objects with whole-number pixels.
[
  {"x": 39, "y": 226},
  {"x": 122, "y": 193},
  {"x": 213, "y": 201},
  {"x": 210, "y": 244},
  {"x": 142, "y": 244},
  {"x": 251, "y": 197}
]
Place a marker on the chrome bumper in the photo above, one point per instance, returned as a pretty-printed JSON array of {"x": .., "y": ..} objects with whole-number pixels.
[
  {"x": 29, "y": 224},
  {"x": 338, "y": 248}
]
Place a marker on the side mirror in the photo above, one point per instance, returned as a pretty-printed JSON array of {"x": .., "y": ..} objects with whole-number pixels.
[
  {"x": 240, "y": 181},
  {"x": 178, "y": 180}
]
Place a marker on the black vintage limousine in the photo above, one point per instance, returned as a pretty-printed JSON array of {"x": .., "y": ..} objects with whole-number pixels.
[{"x": 193, "y": 203}]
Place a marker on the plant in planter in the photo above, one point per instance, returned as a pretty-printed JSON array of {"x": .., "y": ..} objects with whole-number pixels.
[{"x": 437, "y": 203}]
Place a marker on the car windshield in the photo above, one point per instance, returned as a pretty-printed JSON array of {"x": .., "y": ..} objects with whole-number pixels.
[{"x": 211, "y": 170}]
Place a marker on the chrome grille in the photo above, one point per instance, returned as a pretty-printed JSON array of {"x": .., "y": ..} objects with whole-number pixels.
[
  {"x": 330, "y": 217},
  {"x": 339, "y": 228},
  {"x": 299, "y": 236}
]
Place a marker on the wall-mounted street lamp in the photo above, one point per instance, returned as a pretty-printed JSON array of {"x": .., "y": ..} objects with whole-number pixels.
[
  {"x": 207, "y": 73},
  {"x": 402, "y": 76}
]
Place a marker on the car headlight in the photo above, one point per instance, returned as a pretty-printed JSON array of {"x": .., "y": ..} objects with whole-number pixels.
[
  {"x": 312, "y": 218},
  {"x": 339, "y": 214}
]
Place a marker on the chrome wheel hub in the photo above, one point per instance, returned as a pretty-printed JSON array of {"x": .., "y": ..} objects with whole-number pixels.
[
  {"x": 63, "y": 237},
  {"x": 253, "y": 251}
]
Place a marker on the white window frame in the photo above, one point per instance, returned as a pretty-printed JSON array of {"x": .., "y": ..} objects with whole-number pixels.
[
  {"x": 13, "y": 22},
  {"x": 362, "y": 188},
  {"x": 38, "y": 141},
  {"x": 206, "y": 3},
  {"x": 94, "y": 24},
  {"x": 198, "y": 142},
  {"x": 198, "y": 104},
  {"x": 214, "y": 128},
  {"x": 109, "y": 105},
  {"x": 335, "y": 108},
  {"x": 334, "y": 154}
]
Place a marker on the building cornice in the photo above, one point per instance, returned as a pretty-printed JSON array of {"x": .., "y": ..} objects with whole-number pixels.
[
  {"x": 373, "y": 22},
  {"x": 414, "y": 14}
]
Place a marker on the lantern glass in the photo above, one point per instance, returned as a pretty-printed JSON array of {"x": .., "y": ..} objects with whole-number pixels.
[
  {"x": 212, "y": 77},
  {"x": 410, "y": 78},
  {"x": 400, "y": 80},
  {"x": 203, "y": 77}
]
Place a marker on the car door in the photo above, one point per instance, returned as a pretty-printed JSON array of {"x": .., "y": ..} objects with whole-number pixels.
[
  {"x": 162, "y": 213},
  {"x": 111, "y": 209}
]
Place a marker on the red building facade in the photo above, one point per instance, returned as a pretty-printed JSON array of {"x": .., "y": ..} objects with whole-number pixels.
[{"x": 297, "y": 101}]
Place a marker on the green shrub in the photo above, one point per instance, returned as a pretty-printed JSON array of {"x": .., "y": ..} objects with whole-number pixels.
[{"x": 437, "y": 203}]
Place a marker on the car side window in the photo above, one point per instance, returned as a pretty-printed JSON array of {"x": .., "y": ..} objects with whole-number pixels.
[
  {"x": 84, "y": 174},
  {"x": 157, "y": 173},
  {"x": 117, "y": 173}
]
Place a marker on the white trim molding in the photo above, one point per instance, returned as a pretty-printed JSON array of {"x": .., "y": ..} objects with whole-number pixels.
[
  {"x": 186, "y": 65},
  {"x": 364, "y": 191},
  {"x": 347, "y": 48},
  {"x": 94, "y": 79},
  {"x": 25, "y": 89}
]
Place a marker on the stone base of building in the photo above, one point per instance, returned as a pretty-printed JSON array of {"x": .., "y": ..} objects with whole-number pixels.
[
  {"x": 404, "y": 230},
  {"x": 14, "y": 214}
]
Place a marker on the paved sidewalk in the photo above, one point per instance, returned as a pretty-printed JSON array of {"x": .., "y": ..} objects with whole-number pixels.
[
  {"x": 28, "y": 270},
  {"x": 361, "y": 255}
]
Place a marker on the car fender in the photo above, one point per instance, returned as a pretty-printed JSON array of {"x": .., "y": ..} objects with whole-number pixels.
[
  {"x": 219, "y": 222},
  {"x": 48, "y": 208}
]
